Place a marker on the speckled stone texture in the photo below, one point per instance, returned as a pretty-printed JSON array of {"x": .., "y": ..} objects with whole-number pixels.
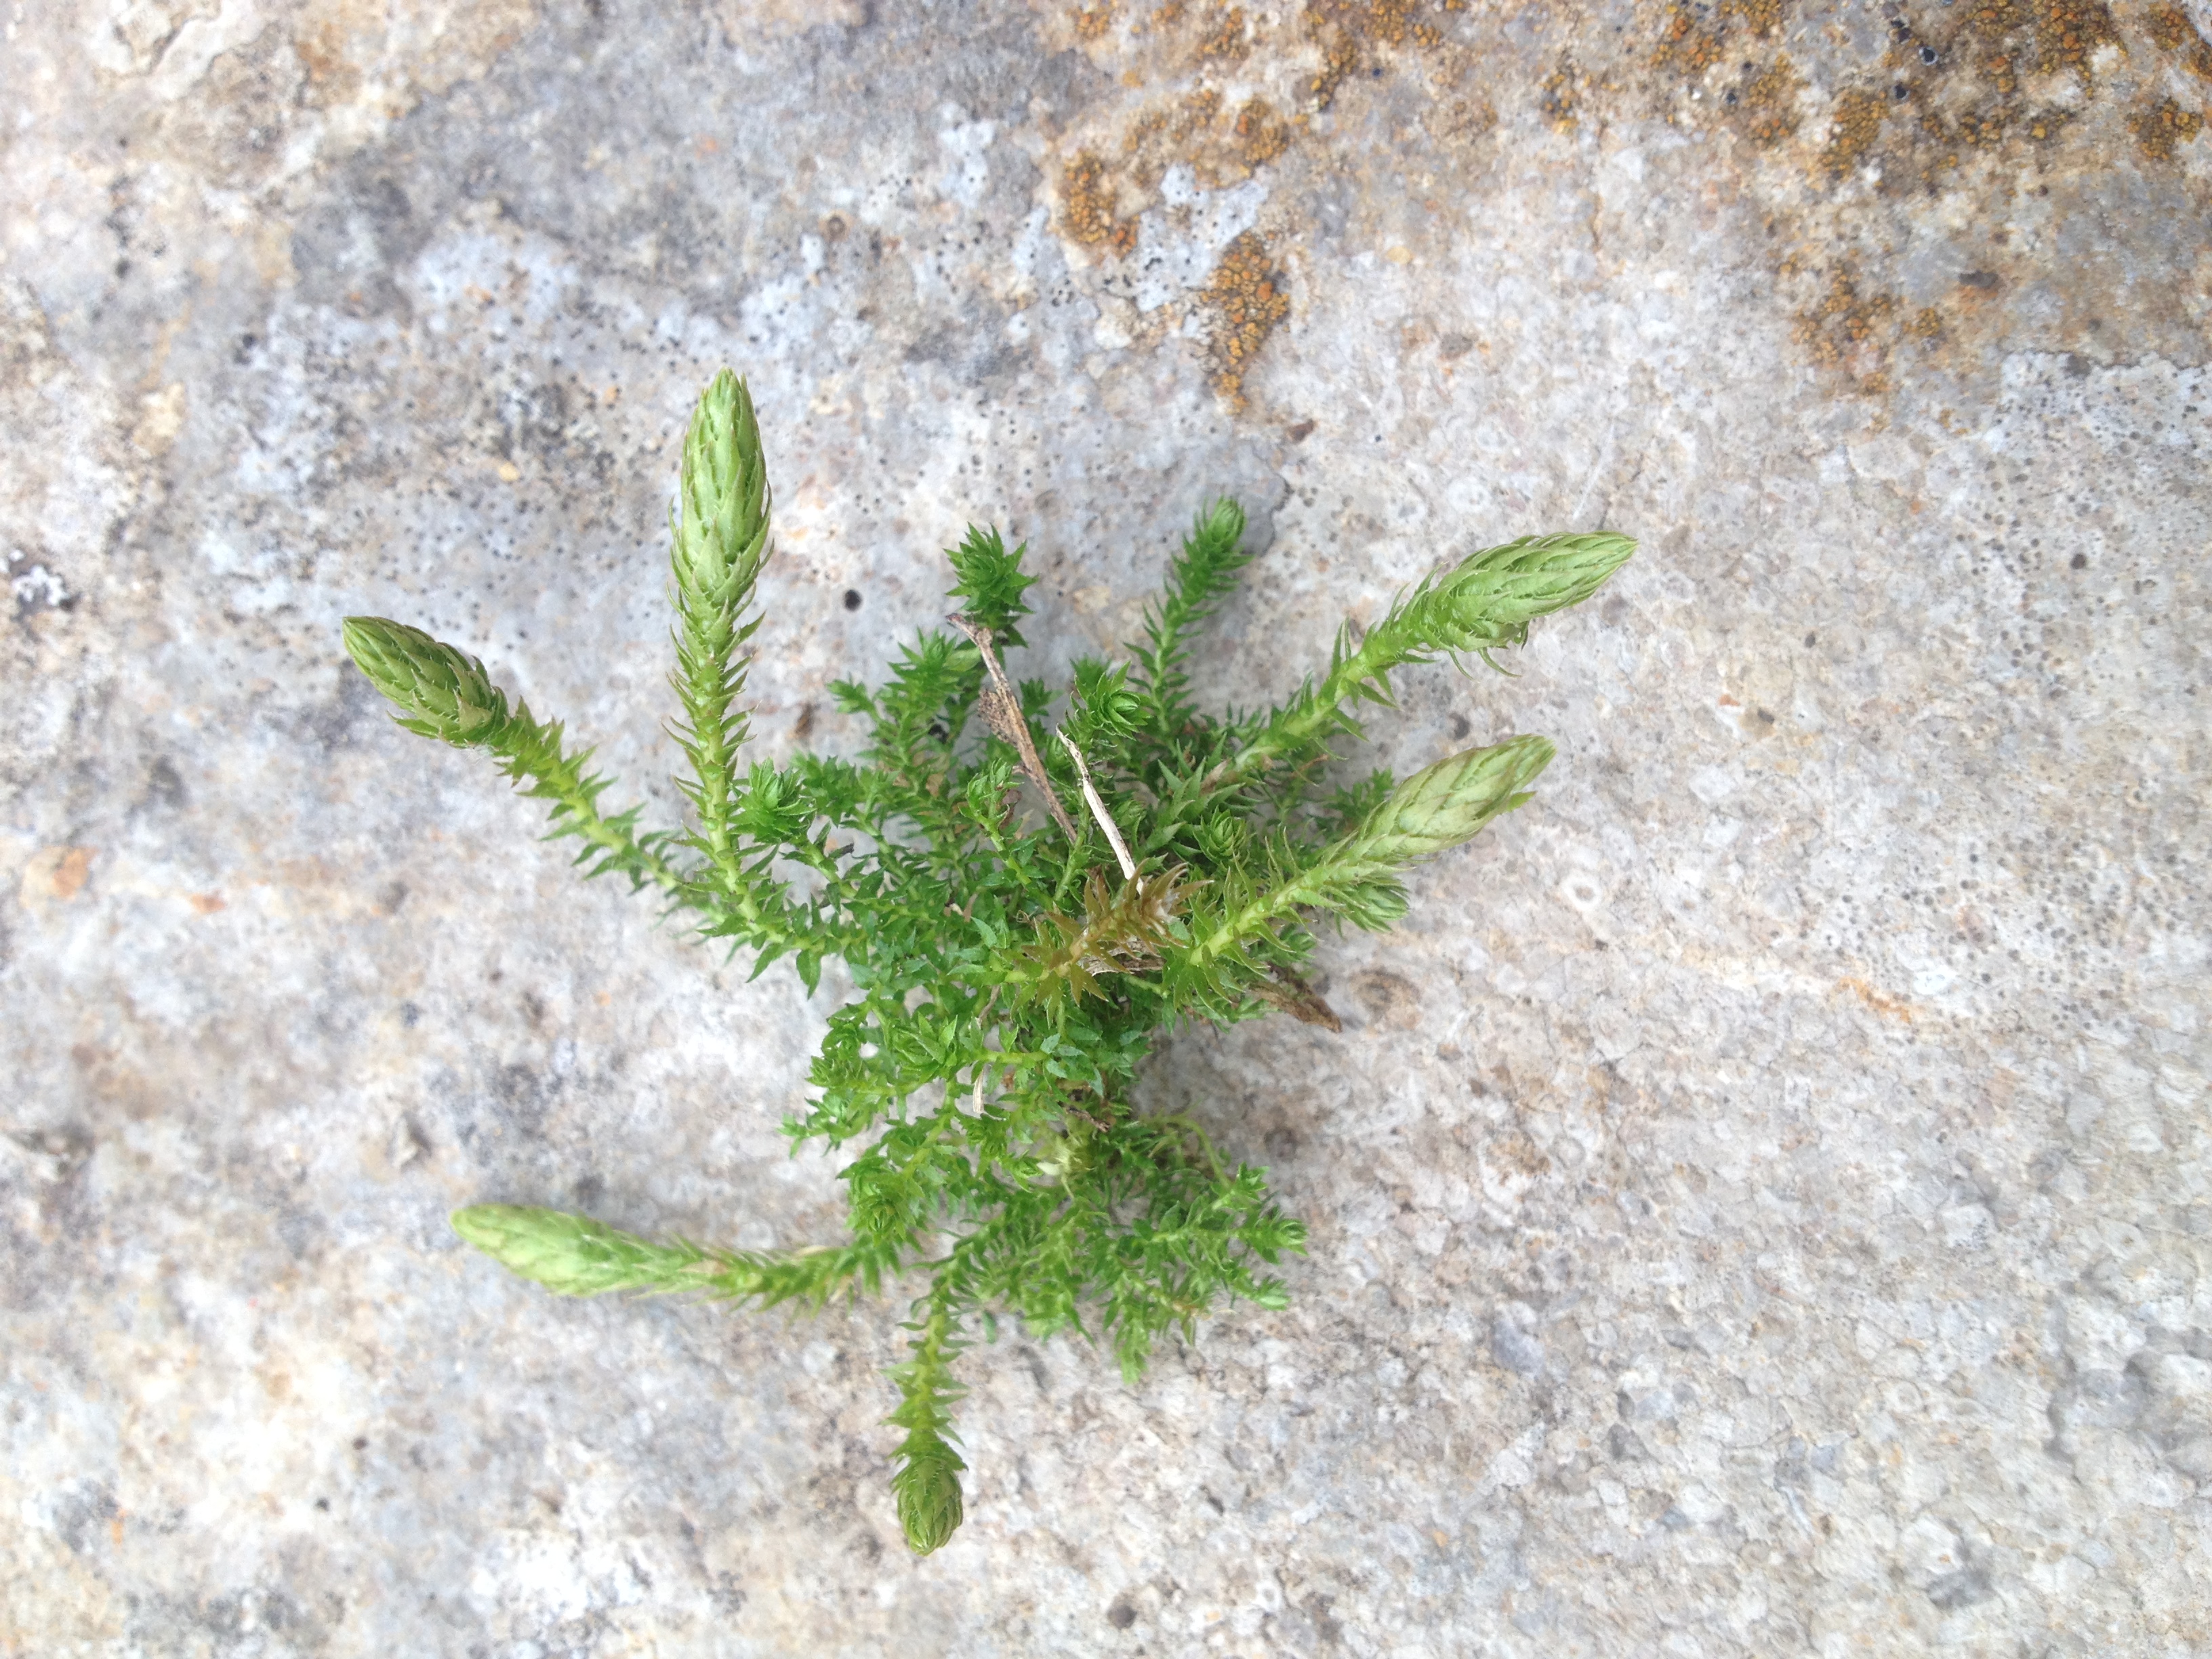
[{"x": 1760, "y": 1201}]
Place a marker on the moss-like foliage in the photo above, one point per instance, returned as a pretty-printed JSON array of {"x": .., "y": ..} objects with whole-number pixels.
[{"x": 1020, "y": 921}]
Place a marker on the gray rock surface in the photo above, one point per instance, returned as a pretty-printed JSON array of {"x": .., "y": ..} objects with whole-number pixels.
[{"x": 1760, "y": 1203}]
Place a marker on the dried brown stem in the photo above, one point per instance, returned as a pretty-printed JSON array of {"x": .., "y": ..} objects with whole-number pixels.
[{"x": 1002, "y": 712}]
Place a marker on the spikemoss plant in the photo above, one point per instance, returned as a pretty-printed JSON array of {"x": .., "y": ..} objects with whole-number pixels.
[{"x": 1021, "y": 916}]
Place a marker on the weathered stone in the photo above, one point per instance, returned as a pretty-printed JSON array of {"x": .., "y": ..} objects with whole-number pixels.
[{"x": 1759, "y": 1200}]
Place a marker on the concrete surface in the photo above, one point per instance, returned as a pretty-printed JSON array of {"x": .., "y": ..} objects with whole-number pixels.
[{"x": 1760, "y": 1203}]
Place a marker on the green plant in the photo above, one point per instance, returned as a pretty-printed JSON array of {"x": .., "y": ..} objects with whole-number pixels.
[{"x": 1010, "y": 970}]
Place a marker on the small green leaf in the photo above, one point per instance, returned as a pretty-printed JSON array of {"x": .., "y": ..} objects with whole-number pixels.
[
  {"x": 990, "y": 583},
  {"x": 570, "y": 1255},
  {"x": 440, "y": 691}
]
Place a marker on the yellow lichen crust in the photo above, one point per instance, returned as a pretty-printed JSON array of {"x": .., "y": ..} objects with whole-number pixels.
[
  {"x": 1261, "y": 135},
  {"x": 1087, "y": 207},
  {"x": 1555, "y": 97},
  {"x": 1843, "y": 331},
  {"x": 2163, "y": 128},
  {"x": 1226, "y": 39},
  {"x": 1984, "y": 101},
  {"x": 1248, "y": 301},
  {"x": 2171, "y": 30},
  {"x": 1769, "y": 103},
  {"x": 1852, "y": 130}
]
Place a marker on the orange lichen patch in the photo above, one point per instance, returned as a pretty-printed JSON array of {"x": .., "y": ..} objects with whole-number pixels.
[
  {"x": 1245, "y": 294},
  {"x": 1143, "y": 129},
  {"x": 1091, "y": 22},
  {"x": 1881, "y": 1002},
  {"x": 1844, "y": 331},
  {"x": 1389, "y": 23},
  {"x": 1171, "y": 14},
  {"x": 1392, "y": 22},
  {"x": 1228, "y": 40},
  {"x": 1684, "y": 45},
  {"x": 1985, "y": 126},
  {"x": 1981, "y": 128},
  {"x": 1690, "y": 45},
  {"x": 1927, "y": 323},
  {"x": 2163, "y": 128},
  {"x": 1197, "y": 112},
  {"x": 56, "y": 872},
  {"x": 1851, "y": 132},
  {"x": 1767, "y": 104},
  {"x": 1340, "y": 59},
  {"x": 2172, "y": 30},
  {"x": 1556, "y": 96},
  {"x": 1759, "y": 16},
  {"x": 1462, "y": 120},
  {"x": 1261, "y": 135},
  {"x": 1087, "y": 207},
  {"x": 2068, "y": 31}
]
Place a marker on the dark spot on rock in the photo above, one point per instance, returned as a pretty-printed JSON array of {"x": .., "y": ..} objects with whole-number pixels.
[
  {"x": 852, "y": 599},
  {"x": 62, "y": 1152},
  {"x": 1962, "y": 1589},
  {"x": 520, "y": 1096},
  {"x": 1812, "y": 639},
  {"x": 410, "y": 1015},
  {"x": 1387, "y": 999},
  {"x": 1982, "y": 282},
  {"x": 1928, "y": 54},
  {"x": 1898, "y": 91},
  {"x": 342, "y": 722},
  {"x": 1281, "y": 1142},
  {"x": 1763, "y": 717},
  {"x": 1121, "y": 1615},
  {"x": 165, "y": 785},
  {"x": 1299, "y": 431},
  {"x": 2077, "y": 366},
  {"x": 78, "y": 1514},
  {"x": 1624, "y": 1444},
  {"x": 323, "y": 1504},
  {"x": 1461, "y": 727},
  {"x": 2079, "y": 561},
  {"x": 360, "y": 1442},
  {"x": 1517, "y": 1350},
  {"x": 1455, "y": 345}
]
